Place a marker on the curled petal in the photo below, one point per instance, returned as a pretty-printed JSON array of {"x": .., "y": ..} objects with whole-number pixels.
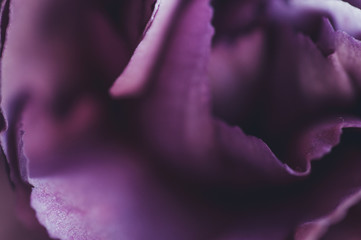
[{"x": 345, "y": 16}]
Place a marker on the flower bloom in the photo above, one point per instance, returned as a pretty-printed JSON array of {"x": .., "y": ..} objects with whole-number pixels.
[{"x": 183, "y": 119}]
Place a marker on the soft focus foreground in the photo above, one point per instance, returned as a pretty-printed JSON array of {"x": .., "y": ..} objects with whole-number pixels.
[{"x": 181, "y": 119}]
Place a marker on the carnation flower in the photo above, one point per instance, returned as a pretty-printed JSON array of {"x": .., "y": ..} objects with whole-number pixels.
[{"x": 182, "y": 119}]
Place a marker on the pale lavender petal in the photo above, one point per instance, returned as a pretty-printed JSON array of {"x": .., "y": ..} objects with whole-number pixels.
[
  {"x": 345, "y": 16},
  {"x": 115, "y": 194},
  {"x": 348, "y": 52}
]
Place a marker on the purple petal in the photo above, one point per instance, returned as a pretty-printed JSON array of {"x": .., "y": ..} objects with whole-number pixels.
[
  {"x": 14, "y": 223},
  {"x": 193, "y": 177},
  {"x": 174, "y": 112},
  {"x": 345, "y": 16},
  {"x": 317, "y": 141},
  {"x": 348, "y": 228},
  {"x": 118, "y": 197},
  {"x": 340, "y": 186}
]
